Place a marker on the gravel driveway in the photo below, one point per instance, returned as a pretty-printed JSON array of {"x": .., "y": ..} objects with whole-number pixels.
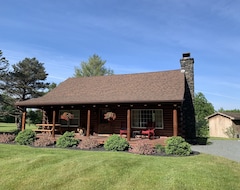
[{"x": 229, "y": 149}]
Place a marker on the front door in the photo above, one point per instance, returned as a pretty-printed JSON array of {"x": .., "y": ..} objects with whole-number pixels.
[{"x": 104, "y": 125}]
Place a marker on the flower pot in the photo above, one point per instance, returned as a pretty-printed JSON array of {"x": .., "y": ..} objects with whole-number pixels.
[{"x": 202, "y": 140}]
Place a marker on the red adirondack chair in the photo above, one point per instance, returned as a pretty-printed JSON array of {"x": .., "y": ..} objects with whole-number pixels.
[
  {"x": 123, "y": 129},
  {"x": 150, "y": 131}
]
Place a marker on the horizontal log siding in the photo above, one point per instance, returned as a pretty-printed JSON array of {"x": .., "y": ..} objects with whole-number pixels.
[
  {"x": 93, "y": 120},
  {"x": 121, "y": 113},
  {"x": 121, "y": 118},
  {"x": 167, "y": 123}
]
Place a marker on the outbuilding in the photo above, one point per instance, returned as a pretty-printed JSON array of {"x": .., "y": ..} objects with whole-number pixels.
[{"x": 224, "y": 124}]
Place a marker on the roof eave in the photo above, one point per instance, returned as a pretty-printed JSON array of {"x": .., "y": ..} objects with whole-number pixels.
[{"x": 32, "y": 105}]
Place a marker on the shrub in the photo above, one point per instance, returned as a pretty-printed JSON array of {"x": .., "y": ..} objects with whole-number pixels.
[
  {"x": 26, "y": 137},
  {"x": 116, "y": 143},
  {"x": 177, "y": 146},
  {"x": 7, "y": 138},
  {"x": 88, "y": 144},
  {"x": 202, "y": 131},
  {"x": 159, "y": 148},
  {"x": 15, "y": 132},
  {"x": 142, "y": 148},
  {"x": 67, "y": 140},
  {"x": 44, "y": 140},
  {"x": 232, "y": 131}
]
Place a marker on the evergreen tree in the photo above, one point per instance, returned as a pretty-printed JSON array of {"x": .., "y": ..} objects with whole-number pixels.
[
  {"x": 5, "y": 100},
  {"x": 3, "y": 65},
  {"x": 3, "y": 71},
  {"x": 27, "y": 80},
  {"x": 94, "y": 67}
]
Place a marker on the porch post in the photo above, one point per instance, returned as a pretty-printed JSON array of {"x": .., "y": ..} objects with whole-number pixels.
[
  {"x": 175, "y": 121},
  {"x": 23, "y": 120},
  {"x": 128, "y": 124},
  {"x": 54, "y": 121},
  {"x": 88, "y": 123}
]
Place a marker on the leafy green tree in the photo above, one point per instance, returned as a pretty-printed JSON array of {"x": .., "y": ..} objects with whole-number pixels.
[
  {"x": 52, "y": 86},
  {"x": 7, "y": 109},
  {"x": 202, "y": 108},
  {"x": 93, "y": 67},
  {"x": 34, "y": 116},
  {"x": 27, "y": 80},
  {"x": 233, "y": 110}
]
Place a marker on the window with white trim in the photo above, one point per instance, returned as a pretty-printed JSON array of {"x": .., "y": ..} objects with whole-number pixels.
[{"x": 140, "y": 118}]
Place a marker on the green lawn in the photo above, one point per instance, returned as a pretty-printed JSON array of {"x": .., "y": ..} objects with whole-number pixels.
[
  {"x": 24, "y": 167},
  {"x": 11, "y": 127}
]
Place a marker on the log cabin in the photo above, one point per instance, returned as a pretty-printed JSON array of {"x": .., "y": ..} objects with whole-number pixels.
[{"x": 164, "y": 99}]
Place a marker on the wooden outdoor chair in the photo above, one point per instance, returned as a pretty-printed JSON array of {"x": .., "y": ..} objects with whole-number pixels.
[{"x": 150, "y": 131}]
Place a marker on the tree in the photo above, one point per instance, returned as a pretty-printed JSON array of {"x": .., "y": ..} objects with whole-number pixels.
[
  {"x": 94, "y": 67},
  {"x": 3, "y": 65},
  {"x": 5, "y": 100},
  {"x": 233, "y": 110},
  {"x": 34, "y": 116},
  {"x": 52, "y": 86},
  {"x": 26, "y": 80},
  {"x": 7, "y": 108},
  {"x": 203, "y": 108},
  {"x": 3, "y": 71}
]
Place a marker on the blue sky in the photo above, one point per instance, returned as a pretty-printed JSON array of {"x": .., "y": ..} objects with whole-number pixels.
[{"x": 132, "y": 36}]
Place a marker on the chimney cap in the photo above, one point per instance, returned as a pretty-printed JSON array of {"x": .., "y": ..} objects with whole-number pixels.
[{"x": 185, "y": 55}]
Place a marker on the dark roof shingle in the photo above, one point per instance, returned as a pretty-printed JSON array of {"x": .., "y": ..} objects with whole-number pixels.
[{"x": 161, "y": 86}]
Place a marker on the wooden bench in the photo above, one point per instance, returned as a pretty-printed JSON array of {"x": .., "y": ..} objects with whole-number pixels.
[{"x": 46, "y": 127}]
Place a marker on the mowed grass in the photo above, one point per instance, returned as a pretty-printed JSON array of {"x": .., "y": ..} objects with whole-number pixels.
[
  {"x": 27, "y": 168},
  {"x": 11, "y": 127}
]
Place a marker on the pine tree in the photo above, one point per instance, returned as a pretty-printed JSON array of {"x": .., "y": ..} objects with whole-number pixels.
[{"x": 94, "y": 67}]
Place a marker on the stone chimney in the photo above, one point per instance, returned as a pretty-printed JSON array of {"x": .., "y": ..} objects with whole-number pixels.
[
  {"x": 187, "y": 66},
  {"x": 188, "y": 107}
]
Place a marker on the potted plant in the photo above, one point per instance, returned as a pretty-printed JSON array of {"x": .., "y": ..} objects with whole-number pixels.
[{"x": 202, "y": 134}]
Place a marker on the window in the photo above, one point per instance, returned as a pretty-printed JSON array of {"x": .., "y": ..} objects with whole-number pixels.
[
  {"x": 141, "y": 118},
  {"x": 72, "y": 121}
]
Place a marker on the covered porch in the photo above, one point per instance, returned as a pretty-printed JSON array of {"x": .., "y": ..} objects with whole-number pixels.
[{"x": 132, "y": 118}]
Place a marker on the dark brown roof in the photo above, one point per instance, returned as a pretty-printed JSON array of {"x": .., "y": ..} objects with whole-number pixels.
[
  {"x": 230, "y": 115},
  {"x": 165, "y": 86}
]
